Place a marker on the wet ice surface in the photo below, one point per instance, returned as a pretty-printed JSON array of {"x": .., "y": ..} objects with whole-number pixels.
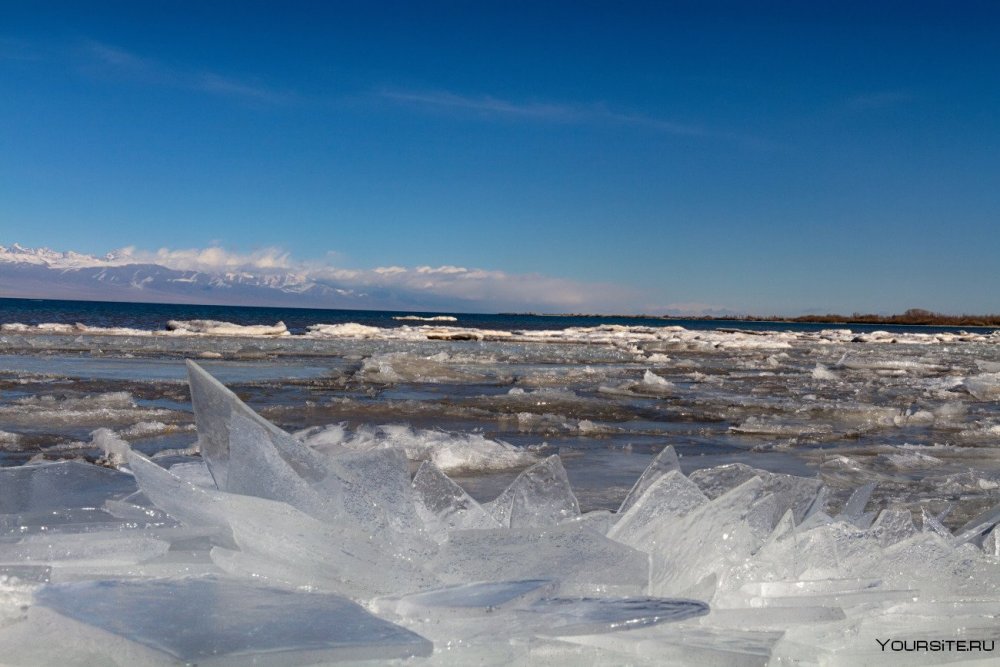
[{"x": 820, "y": 490}]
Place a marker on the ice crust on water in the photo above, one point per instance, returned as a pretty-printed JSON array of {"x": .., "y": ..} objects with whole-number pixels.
[
  {"x": 450, "y": 452},
  {"x": 730, "y": 565},
  {"x": 217, "y": 328}
]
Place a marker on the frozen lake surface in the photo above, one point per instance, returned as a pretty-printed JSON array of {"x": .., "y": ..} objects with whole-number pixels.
[{"x": 801, "y": 494}]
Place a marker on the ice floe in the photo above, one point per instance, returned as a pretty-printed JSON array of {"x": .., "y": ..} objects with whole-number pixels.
[{"x": 325, "y": 548}]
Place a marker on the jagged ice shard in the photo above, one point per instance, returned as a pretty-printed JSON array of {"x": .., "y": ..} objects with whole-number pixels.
[{"x": 291, "y": 554}]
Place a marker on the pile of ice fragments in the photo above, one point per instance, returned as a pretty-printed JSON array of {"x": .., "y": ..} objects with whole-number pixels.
[{"x": 274, "y": 553}]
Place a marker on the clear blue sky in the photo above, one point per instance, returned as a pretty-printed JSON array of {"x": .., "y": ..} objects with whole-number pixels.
[{"x": 762, "y": 157}]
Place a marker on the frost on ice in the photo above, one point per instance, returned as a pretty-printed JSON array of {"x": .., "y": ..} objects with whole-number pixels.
[{"x": 288, "y": 551}]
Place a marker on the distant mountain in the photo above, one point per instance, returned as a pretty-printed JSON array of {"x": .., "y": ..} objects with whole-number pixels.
[
  {"x": 269, "y": 277},
  {"x": 43, "y": 273}
]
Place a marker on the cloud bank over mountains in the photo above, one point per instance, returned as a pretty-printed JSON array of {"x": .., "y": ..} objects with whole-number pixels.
[{"x": 271, "y": 277}]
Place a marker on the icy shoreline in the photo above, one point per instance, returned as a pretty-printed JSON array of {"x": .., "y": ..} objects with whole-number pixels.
[
  {"x": 612, "y": 334},
  {"x": 728, "y": 565}
]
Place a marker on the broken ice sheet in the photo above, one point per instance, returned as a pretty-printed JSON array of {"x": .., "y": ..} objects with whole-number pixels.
[
  {"x": 283, "y": 544},
  {"x": 213, "y": 621},
  {"x": 54, "y": 486},
  {"x": 791, "y": 492},
  {"x": 580, "y": 560},
  {"x": 540, "y": 496},
  {"x": 670, "y": 496},
  {"x": 581, "y": 616},
  {"x": 664, "y": 462},
  {"x": 444, "y": 505},
  {"x": 466, "y": 600},
  {"x": 713, "y": 536},
  {"x": 214, "y": 406}
]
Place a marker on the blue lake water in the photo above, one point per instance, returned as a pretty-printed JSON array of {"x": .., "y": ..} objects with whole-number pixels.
[{"x": 154, "y": 316}]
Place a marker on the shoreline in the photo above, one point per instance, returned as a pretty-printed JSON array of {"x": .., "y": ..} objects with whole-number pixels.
[{"x": 932, "y": 320}]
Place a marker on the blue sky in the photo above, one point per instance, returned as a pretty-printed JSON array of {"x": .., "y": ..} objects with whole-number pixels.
[{"x": 756, "y": 157}]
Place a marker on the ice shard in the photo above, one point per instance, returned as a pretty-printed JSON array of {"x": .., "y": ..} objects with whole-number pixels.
[
  {"x": 256, "y": 468},
  {"x": 214, "y": 405},
  {"x": 664, "y": 462},
  {"x": 670, "y": 496},
  {"x": 703, "y": 542},
  {"x": 379, "y": 497},
  {"x": 287, "y": 546},
  {"x": 790, "y": 491},
  {"x": 444, "y": 506},
  {"x": 854, "y": 509},
  {"x": 187, "y": 502},
  {"x": 540, "y": 496}
]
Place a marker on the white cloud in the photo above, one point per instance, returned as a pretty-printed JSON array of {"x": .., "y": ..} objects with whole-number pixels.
[
  {"x": 113, "y": 59},
  {"x": 552, "y": 112},
  {"x": 420, "y": 286},
  {"x": 211, "y": 259}
]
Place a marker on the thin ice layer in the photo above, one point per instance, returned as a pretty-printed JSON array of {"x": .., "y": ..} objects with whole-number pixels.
[
  {"x": 213, "y": 621},
  {"x": 583, "y": 616}
]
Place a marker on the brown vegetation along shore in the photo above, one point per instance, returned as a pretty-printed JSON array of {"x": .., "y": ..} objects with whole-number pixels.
[{"x": 913, "y": 316}]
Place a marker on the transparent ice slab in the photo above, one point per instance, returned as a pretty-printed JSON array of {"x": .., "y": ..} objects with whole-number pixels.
[
  {"x": 670, "y": 496},
  {"x": 214, "y": 406},
  {"x": 664, "y": 462},
  {"x": 580, "y": 560},
  {"x": 222, "y": 622},
  {"x": 54, "y": 486},
  {"x": 444, "y": 506},
  {"x": 277, "y": 541},
  {"x": 540, "y": 496},
  {"x": 465, "y": 600},
  {"x": 583, "y": 616}
]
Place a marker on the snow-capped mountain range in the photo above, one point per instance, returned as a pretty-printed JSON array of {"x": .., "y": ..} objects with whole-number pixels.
[
  {"x": 118, "y": 275},
  {"x": 269, "y": 277}
]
